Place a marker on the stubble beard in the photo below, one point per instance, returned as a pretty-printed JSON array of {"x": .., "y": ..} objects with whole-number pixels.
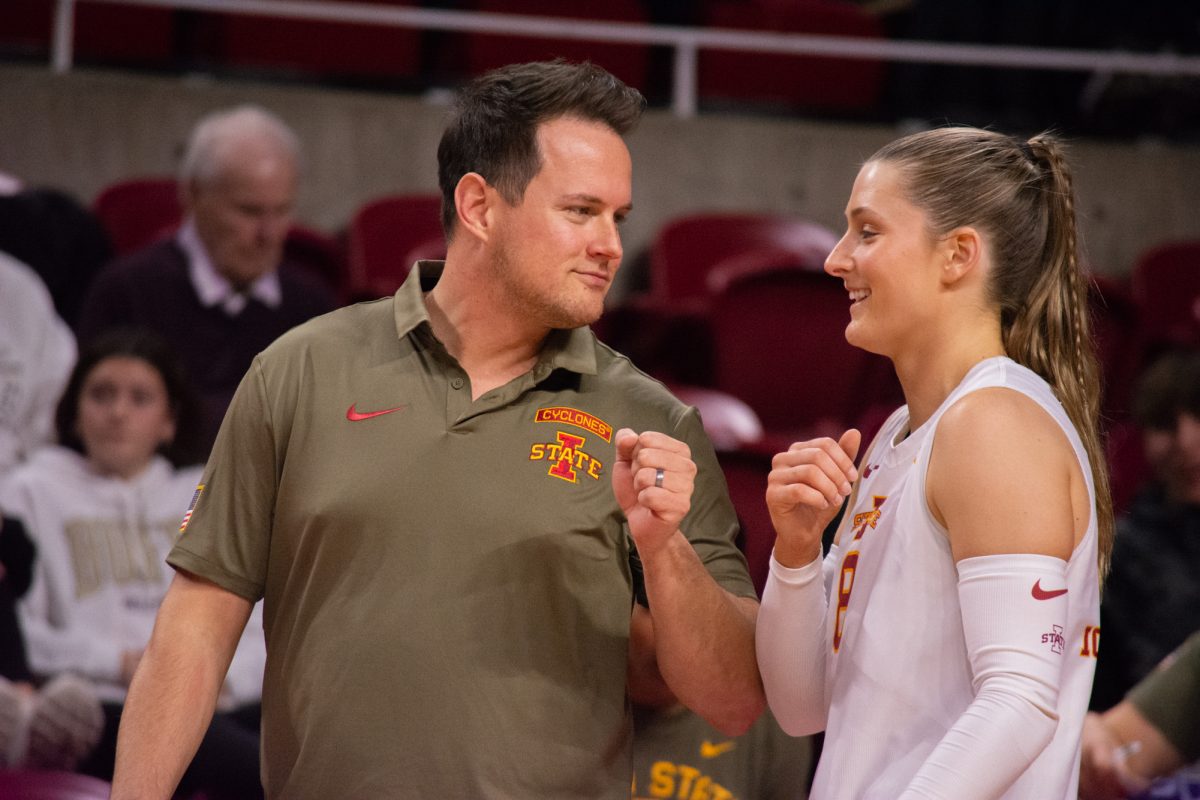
[{"x": 538, "y": 301}]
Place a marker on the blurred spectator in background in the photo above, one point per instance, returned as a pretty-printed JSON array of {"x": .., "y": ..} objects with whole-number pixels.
[
  {"x": 102, "y": 510},
  {"x": 219, "y": 291},
  {"x": 51, "y": 727},
  {"x": 59, "y": 239},
  {"x": 1151, "y": 733},
  {"x": 37, "y": 351},
  {"x": 1151, "y": 600},
  {"x": 676, "y": 753}
]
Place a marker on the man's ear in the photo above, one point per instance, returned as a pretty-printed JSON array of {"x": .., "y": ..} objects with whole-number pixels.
[
  {"x": 963, "y": 250},
  {"x": 473, "y": 200}
]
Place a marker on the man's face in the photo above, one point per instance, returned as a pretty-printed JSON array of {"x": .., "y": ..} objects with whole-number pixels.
[
  {"x": 1174, "y": 456},
  {"x": 557, "y": 250},
  {"x": 243, "y": 215}
]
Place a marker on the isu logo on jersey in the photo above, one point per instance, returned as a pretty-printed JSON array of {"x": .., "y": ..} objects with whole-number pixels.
[
  {"x": 862, "y": 522},
  {"x": 1055, "y": 639},
  {"x": 563, "y": 415},
  {"x": 567, "y": 457},
  {"x": 668, "y": 779},
  {"x": 566, "y": 454}
]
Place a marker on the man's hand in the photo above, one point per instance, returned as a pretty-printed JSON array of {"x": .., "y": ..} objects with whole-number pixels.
[
  {"x": 805, "y": 489},
  {"x": 1103, "y": 770},
  {"x": 652, "y": 480}
]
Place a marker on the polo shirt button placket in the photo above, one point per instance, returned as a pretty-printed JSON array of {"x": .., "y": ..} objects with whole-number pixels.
[{"x": 457, "y": 383}]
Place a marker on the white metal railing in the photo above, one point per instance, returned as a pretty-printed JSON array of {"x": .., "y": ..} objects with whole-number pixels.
[{"x": 685, "y": 41}]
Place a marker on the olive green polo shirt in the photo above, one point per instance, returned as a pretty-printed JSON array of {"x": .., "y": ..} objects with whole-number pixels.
[
  {"x": 676, "y": 754},
  {"x": 447, "y": 582},
  {"x": 1169, "y": 698}
]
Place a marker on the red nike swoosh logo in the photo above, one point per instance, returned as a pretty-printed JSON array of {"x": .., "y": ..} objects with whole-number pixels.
[
  {"x": 358, "y": 416},
  {"x": 1046, "y": 594}
]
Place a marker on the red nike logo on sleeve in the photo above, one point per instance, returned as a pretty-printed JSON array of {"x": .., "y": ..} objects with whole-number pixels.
[
  {"x": 1046, "y": 594},
  {"x": 358, "y": 416}
]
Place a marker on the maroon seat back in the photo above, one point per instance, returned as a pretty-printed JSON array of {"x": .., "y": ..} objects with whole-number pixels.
[
  {"x": 138, "y": 211},
  {"x": 1166, "y": 288},
  {"x": 746, "y": 474},
  {"x": 687, "y": 248},
  {"x": 811, "y": 83},
  {"x": 385, "y": 236},
  {"x": 629, "y": 62},
  {"x": 779, "y": 344}
]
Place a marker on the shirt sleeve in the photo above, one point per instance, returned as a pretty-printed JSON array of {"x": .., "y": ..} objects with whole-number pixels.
[
  {"x": 226, "y": 535},
  {"x": 711, "y": 525},
  {"x": 1170, "y": 698}
]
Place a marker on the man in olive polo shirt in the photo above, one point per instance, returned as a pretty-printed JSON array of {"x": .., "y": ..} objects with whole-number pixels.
[
  {"x": 440, "y": 494},
  {"x": 1153, "y": 732}
]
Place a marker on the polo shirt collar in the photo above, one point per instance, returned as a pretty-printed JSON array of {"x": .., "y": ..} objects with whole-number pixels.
[
  {"x": 571, "y": 349},
  {"x": 212, "y": 287}
]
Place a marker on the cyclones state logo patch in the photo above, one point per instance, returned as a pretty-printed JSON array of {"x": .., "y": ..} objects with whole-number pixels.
[
  {"x": 563, "y": 415},
  {"x": 568, "y": 459}
]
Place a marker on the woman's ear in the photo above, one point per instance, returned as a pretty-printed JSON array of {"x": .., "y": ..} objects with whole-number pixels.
[{"x": 963, "y": 249}]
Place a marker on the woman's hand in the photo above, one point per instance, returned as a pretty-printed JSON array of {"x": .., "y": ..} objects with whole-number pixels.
[{"x": 805, "y": 489}]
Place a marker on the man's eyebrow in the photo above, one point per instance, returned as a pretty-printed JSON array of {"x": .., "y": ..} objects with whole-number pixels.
[{"x": 593, "y": 200}]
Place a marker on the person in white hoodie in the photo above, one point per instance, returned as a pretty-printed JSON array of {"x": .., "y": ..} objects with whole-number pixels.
[
  {"x": 37, "y": 350},
  {"x": 103, "y": 508}
]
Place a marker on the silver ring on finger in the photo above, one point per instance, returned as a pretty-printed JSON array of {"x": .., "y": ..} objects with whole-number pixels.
[{"x": 659, "y": 474}]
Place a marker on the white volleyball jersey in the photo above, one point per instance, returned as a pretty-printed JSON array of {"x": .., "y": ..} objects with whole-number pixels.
[{"x": 897, "y": 671}]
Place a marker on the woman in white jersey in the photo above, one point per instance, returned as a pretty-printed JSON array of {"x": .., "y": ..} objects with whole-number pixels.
[{"x": 946, "y": 644}]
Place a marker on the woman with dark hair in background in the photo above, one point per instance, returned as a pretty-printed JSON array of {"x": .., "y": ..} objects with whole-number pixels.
[{"x": 103, "y": 509}]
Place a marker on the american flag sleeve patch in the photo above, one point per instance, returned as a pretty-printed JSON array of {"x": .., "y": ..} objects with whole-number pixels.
[{"x": 191, "y": 507}]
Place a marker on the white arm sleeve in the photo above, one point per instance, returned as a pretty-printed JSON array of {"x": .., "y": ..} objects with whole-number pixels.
[
  {"x": 1014, "y": 611},
  {"x": 790, "y": 641}
]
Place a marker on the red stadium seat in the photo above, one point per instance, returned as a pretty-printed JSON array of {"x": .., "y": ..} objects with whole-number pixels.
[
  {"x": 25, "y": 27},
  {"x": 1117, "y": 335},
  {"x": 109, "y": 33},
  {"x": 686, "y": 248},
  {"x": 318, "y": 253},
  {"x": 629, "y": 62},
  {"x": 795, "y": 82},
  {"x": 320, "y": 48},
  {"x": 779, "y": 344},
  {"x": 386, "y": 236},
  {"x": 746, "y": 474},
  {"x": 42, "y": 785},
  {"x": 137, "y": 212},
  {"x": 1127, "y": 467},
  {"x": 1166, "y": 288},
  {"x": 692, "y": 258}
]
